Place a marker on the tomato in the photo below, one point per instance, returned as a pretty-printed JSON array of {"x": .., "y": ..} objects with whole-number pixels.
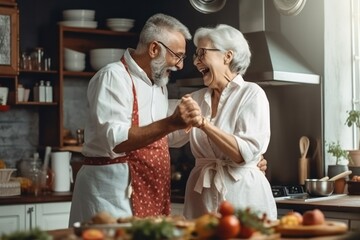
[
  {"x": 206, "y": 225},
  {"x": 229, "y": 227},
  {"x": 93, "y": 234},
  {"x": 246, "y": 232},
  {"x": 226, "y": 208}
]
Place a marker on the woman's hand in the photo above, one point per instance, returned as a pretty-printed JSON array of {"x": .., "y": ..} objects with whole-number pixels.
[
  {"x": 262, "y": 165},
  {"x": 190, "y": 111}
]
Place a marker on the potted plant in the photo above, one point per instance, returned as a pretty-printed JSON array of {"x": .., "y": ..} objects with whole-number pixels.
[
  {"x": 341, "y": 165},
  {"x": 341, "y": 156},
  {"x": 353, "y": 119}
]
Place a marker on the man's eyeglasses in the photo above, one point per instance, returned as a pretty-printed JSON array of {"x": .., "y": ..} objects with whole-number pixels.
[
  {"x": 200, "y": 53},
  {"x": 180, "y": 57}
]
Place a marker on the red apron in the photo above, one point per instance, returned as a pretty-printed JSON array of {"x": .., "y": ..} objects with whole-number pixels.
[{"x": 149, "y": 170}]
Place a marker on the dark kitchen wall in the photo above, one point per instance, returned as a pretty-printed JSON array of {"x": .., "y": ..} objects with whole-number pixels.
[
  {"x": 19, "y": 127},
  {"x": 38, "y": 18}
]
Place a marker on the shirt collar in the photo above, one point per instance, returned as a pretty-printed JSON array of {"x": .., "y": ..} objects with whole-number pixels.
[{"x": 134, "y": 68}]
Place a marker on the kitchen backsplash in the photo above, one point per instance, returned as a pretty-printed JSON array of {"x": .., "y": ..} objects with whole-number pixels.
[{"x": 18, "y": 134}]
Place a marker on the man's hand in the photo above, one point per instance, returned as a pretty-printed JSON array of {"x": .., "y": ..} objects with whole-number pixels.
[{"x": 262, "y": 164}]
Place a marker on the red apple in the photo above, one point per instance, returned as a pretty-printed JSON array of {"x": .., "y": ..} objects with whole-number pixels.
[{"x": 313, "y": 217}]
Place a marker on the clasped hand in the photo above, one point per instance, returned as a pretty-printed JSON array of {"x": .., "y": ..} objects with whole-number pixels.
[{"x": 188, "y": 113}]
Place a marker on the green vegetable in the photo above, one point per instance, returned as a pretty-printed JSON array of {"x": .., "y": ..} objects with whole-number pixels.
[
  {"x": 148, "y": 229},
  {"x": 34, "y": 234}
]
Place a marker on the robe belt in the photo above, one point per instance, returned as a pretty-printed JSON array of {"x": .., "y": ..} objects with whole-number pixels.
[{"x": 219, "y": 166}]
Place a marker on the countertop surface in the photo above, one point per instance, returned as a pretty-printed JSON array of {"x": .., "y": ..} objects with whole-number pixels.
[
  {"x": 59, "y": 197},
  {"x": 42, "y": 198},
  {"x": 341, "y": 203}
]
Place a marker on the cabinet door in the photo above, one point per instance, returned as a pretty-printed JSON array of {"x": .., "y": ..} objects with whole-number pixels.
[
  {"x": 50, "y": 216},
  {"x": 177, "y": 209},
  {"x": 12, "y": 218},
  {"x": 30, "y": 219}
]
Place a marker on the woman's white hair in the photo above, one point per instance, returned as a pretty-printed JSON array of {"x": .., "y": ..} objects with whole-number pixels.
[
  {"x": 225, "y": 38},
  {"x": 158, "y": 27}
]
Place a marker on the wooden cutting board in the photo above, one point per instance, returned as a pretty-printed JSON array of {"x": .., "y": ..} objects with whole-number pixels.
[{"x": 328, "y": 228}]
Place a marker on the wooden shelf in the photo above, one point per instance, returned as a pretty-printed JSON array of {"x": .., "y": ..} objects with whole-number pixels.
[
  {"x": 38, "y": 103},
  {"x": 38, "y": 71}
]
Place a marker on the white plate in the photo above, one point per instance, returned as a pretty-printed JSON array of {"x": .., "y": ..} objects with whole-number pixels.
[{"x": 79, "y": 24}]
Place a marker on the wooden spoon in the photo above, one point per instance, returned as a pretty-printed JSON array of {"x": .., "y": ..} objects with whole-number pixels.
[
  {"x": 304, "y": 144},
  {"x": 340, "y": 175}
]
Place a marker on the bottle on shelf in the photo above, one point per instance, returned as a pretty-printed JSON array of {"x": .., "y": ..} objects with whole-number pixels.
[
  {"x": 36, "y": 92},
  {"x": 48, "y": 92},
  {"x": 20, "y": 93},
  {"x": 42, "y": 91}
]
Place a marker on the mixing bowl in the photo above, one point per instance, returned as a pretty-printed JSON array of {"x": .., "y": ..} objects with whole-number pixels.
[{"x": 319, "y": 188}]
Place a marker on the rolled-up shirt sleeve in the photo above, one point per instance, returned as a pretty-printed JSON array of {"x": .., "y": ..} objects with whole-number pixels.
[{"x": 110, "y": 101}]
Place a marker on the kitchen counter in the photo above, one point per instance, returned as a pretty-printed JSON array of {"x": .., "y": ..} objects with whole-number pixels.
[
  {"x": 43, "y": 198},
  {"x": 344, "y": 204},
  {"x": 176, "y": 197}
]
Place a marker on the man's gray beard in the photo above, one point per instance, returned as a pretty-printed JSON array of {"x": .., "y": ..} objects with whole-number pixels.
[{"x": 158, "y": 69}]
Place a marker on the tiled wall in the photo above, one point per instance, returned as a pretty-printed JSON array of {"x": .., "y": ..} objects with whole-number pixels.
[{"x": 18, "y": 134}]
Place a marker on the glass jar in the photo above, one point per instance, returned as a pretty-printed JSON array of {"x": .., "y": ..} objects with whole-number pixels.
[{"x": 37, "y": 59}]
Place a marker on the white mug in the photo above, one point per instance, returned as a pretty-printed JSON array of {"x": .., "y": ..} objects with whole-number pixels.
[{"x": 60, "y": 164}]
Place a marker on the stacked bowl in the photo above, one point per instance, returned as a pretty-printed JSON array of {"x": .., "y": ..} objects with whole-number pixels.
[
  {"x": 120, "y": 24},
  {"x": 74, "y": 60},
  {"x": 101, "y": 56},
  {"x": 83, "y": 18}
]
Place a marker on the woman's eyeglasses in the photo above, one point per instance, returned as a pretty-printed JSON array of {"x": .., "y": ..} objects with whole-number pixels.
[
  {"x": 200, "y": 53},
  {"x": 180, "y": 57}
]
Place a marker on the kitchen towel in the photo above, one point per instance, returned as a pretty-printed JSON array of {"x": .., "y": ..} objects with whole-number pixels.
[{"x": 60, "y": 164}]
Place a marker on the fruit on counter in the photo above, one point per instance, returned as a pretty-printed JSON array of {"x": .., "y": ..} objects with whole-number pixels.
[
  {"x": 226, "y": 208},
  {"x": 92, "y": 234},
  {"x": 228, "y": 227},
  {"x": 103, "y": 218},
  {"x": 355, "y": 178},
  {"x": 206, "y": 225},
  {"x": 252, "y": 222},
  {"x": 2, "y": 164},
  {"x": 313, "y": 217},
  {"x": 291, "y": 219}
]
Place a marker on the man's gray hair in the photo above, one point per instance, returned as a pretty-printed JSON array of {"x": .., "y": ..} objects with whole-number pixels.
[{"x": 158, "y": 27}]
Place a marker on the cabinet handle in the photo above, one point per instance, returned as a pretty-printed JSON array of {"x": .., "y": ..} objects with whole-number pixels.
[{"x": 30, "y": 211}]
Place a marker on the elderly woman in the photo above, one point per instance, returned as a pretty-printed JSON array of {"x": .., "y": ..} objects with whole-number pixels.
[{"x": 233, "y": 131}]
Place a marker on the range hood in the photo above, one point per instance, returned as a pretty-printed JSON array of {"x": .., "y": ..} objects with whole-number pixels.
[{"x": 274, "y": 60}]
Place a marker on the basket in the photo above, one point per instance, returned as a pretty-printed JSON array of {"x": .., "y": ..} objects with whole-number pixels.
[{"x": 5, "y": 174}]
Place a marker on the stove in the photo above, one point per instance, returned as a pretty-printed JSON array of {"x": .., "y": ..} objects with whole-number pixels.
[{"x": 289, "y": 190}]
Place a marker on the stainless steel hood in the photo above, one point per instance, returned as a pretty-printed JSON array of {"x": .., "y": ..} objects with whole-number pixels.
[{"x": 274, "y": 60}]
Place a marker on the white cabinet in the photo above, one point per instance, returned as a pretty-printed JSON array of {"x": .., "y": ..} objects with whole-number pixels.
[
  {"x": 46, "y": 216},
  {"x": 177, "y": 209}
]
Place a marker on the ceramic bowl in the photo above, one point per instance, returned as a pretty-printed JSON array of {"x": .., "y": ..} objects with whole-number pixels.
[
  {"x": 78, "y": 14},
  {"x": 79, "y": 24}
]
